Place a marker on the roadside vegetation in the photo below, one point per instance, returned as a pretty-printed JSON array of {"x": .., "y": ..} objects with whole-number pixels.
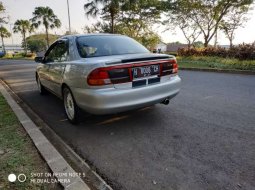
[
  {"x": 241, "y": 57},
  {"x": 28, "y": 56},
  {"x": 206, "y": 62},
  {"x": 17, "y": 153},
  {"x": 241, "y": 52}
]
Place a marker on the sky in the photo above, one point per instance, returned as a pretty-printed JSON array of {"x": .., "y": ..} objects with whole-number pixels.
[{"x": 22, "y": 9}]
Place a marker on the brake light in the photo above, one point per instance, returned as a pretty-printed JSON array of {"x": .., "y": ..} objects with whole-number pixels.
[
  {"x": 99, "y": 77},
  {"x": 169, "y": 68},
  {"x": 123, "y": 73},
  {"x": 175, "y": 67},
  {"x": 108, "y": 75}
]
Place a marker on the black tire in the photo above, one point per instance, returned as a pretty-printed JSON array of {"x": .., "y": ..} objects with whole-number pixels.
[
  {"x": 72, "y": 111},
  {"x": 40, "y": 87}
]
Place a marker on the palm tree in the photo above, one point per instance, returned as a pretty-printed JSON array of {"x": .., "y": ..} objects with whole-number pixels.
[
  {"x": 110, "y": 9},
  {"x": 4, "y": 33},
  {"x": 23, "y": 26},
  {"x": 45, "y": 16},
  {"x": 2, "y": 11}
]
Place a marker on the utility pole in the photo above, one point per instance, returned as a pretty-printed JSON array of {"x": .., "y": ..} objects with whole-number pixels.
[{"x": 69, "y": 17}]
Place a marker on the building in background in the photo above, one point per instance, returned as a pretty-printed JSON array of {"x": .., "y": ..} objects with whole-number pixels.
[
  {"x": 161, "y": 47},
  {"x": 169, "y": 47}
]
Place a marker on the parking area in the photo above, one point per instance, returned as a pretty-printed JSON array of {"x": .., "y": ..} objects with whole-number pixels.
[{"x": 204, "y": 139}]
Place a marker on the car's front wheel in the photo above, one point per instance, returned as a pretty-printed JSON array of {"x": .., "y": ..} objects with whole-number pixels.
[{"x": 71, "y": 108}]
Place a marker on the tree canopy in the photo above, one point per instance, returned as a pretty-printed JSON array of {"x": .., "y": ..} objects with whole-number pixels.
[
  {"x": 206, "y": 16},
  {"x": 4, "y": 33},
  {"x": 132, "y": 18},
  {"x": 23, "y": 26},
  {"x": 37, "y": 42},
  {"x": 46, "y": 17},
  {"x": 109, "y": 10},
  {"x": 2, "y": 10}
]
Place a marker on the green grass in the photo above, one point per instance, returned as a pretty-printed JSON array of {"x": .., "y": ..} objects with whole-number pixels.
[
  {"x": 20, "y": 155},
  {"x": 215, "y": 63}
]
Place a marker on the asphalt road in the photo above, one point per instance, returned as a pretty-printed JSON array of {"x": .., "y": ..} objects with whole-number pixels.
[{"x": 204, "y": 139}]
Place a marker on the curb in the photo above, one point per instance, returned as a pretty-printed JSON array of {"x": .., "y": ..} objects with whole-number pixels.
[
  {"x": 218, "y": 70},
  {"x": 54, "y": 159}
]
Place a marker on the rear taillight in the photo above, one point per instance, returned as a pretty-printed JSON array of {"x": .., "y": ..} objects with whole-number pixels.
[
  {"x": 99, "y": 77},
  {"x": 123, "y": 73},
  {"x": 120, "y": 75},
  {"x": 169, "y": 68},
  {"x": 108, "y": 75},
  {"x": 175, "y": 67}
]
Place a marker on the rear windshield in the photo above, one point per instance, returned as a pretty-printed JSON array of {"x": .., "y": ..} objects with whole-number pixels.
[{"x": 96, "y": 46}]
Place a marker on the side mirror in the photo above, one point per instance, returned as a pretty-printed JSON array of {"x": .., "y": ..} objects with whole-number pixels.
[{"x": 38, "y": 59}]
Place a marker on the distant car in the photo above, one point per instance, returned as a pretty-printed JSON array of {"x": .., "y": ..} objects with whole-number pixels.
[
  {"x": 105, "y": 74},
  {"x": 2, "y": 54}
]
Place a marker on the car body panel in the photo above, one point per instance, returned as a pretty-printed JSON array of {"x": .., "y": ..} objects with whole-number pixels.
[{"x": 110, "y": 98}]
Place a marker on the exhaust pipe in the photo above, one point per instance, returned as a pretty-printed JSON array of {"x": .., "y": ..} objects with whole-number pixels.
[{"x": 165, "y": 101}]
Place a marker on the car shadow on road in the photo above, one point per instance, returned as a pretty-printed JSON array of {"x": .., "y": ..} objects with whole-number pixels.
[{"x": 50, "y": 109}]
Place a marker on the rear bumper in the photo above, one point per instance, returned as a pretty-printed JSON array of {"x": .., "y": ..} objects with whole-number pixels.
[{"x": 112, "y": 100}]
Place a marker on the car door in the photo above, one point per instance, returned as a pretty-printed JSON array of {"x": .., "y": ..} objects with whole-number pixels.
[{"x": 57, "y": 59}]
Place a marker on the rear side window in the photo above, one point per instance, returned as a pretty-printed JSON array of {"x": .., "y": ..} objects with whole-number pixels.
[
  {"x": 58, "y": 52},
  {"x": 96, "y": 46}
]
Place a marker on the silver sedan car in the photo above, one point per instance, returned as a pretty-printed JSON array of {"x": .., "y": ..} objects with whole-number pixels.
[{"x": 105, "y": 74}]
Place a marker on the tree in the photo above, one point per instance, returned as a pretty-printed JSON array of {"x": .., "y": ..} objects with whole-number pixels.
[
  {"x": 137, "y": 17},
  {"x": 150, "y": 40},
  {"x": 23, "y": 26},
  {"x": 4, "y": 34},
  {"x": 131, "y": 17},
  {"x": 134, "y": 19},
  {"x": 2, "y": 10},
  {"x": 235, "y": 19},
  {"x": 109, "y": 11},
  {"x": 99, "y": 27},
  {"x": 207, "y": 15},
  {"x": 36, "y": 45},
  {"x": 188, "y": 27},
  {"x": 45, "y": 16},
  {"x": 37, "y": 42},
  {"x": 198, "y": 44}
]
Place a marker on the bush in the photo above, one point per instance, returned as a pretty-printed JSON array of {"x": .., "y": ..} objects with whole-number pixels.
[
  {"x": 241, "y": 52},
  {"x": 19, "y": 55},
  {"x": 216, "y": 62},
  {"x": 36, "y": 45}
]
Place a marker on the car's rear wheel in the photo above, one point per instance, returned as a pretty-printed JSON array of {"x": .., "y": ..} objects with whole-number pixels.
[
  {"x": 71, "y": 108},
  {"x": 40, "y": 87}
]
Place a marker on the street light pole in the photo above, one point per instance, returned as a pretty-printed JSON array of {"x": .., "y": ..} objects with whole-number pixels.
[{"x": 69, "y": 17}]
